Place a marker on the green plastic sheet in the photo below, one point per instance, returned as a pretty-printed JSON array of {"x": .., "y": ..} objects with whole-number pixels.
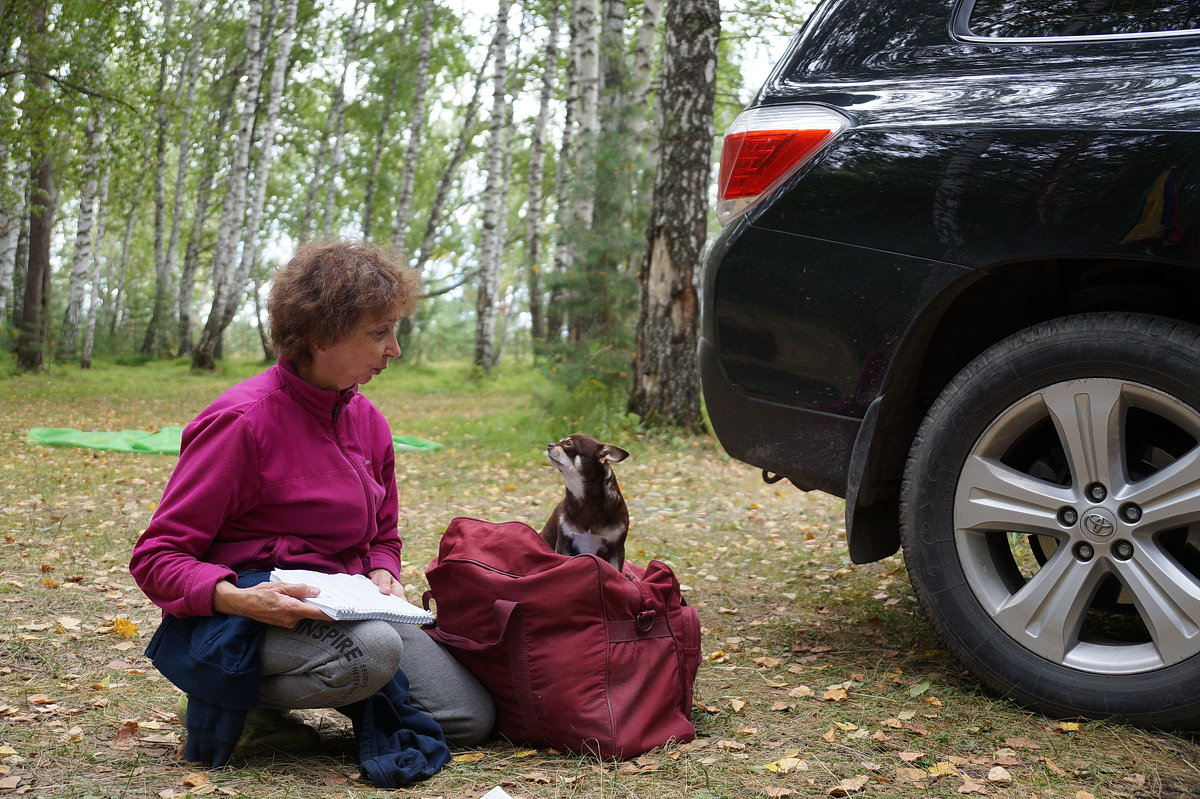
[{"x": 165, "y": 440}]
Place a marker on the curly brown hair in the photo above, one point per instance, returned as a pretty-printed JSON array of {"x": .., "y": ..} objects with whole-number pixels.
[{"x": 328, "y": 288}]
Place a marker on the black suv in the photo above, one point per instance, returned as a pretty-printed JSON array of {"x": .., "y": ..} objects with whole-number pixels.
[{"x": 958, "y": 285}]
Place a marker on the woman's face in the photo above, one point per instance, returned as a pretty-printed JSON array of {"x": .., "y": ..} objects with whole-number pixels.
[{"x": 357, "y": 358}]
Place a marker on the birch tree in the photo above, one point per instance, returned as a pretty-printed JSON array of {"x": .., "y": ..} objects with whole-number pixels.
[
  {"x": 493, "y": 201},
  {"x": 162, "y": 269},
  {"x": 416, "y": 127},
  {"x": 235, "y": 195},
  {"x": 262, "y": 170},
  {"x": 335, "y": 122},
  {"x": 12, "y": 210},
  {"x": 666, "y": 384},
  {"x": 89, "y": 335},
  {"x": 534, "y": 199},
  {"x": 68, "y": 340}
]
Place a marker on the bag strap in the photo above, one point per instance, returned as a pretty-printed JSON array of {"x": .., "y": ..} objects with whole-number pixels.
[{"x": 510, "y": 631}]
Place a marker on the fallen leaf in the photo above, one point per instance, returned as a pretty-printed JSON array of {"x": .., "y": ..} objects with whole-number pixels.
[
  {"x": 1068, "y": 726},
  {"x": 852, "y": 785},
  {"x": 909, "y": 757},
  {"x": 971, "y": 786},
  {"x": 10, "y": 782},
  {"x": 125, "y": 628},
  {"x": 736, "y": 745},
  {"x": 911, "y": 774},
  {"x": 126, "y": 734},
  {"x": 999, "y": 775},
  {"x": 469, "y": 757},
  {"x": 835, "y": 693},
  {"x": 786, "y": 765},
  {"x": 195, "y": 779},
  {"x": 737, "y": 705},
  {"x": 773, "y": 791},
  {"x": 919, "y": 688}
]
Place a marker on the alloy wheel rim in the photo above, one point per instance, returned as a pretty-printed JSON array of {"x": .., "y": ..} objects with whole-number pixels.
[{"x": 1077, "y": 523}]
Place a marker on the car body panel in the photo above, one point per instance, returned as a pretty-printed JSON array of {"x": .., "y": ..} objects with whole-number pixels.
[{"x": 984, "y": 186}]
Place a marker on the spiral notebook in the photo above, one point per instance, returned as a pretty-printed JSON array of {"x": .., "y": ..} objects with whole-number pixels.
[{"x": 347, "y": 597}]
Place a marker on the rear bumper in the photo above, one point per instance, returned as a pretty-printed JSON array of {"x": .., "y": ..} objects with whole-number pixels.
[{"x": 811, "y": 448}]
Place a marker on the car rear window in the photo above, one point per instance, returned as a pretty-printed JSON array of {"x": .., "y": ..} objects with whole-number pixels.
[{"x": 1037, "y": 19}]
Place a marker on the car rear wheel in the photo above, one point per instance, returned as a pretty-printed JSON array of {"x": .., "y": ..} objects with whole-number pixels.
[{"x": 1051, "y": 518}]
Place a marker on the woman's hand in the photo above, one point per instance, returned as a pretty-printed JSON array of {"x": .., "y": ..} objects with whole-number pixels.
[
  {"x": 386, "y": 582},
  {"x": 280, "y": 604}
]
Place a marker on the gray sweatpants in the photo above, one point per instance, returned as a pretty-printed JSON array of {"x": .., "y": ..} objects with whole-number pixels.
[{"x": 331, "y": 664}]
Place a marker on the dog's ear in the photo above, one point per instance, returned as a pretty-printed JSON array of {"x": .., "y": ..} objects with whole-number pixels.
[{"x": 610, "y": 453}]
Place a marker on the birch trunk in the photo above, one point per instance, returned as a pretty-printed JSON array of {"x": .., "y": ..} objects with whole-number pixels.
[
  {"x": 89, "y": 335},
  {"x": 12, "y": 209},
  {"x": 234, "y": 207},
  {"x": 191, "y": 256},
  {"x": 262, "y": 169},
  {"x": 68, "y": 342},
  {"x": 643, "y": 81},
  {"x": 666, "y": 383},
  {"x": 416, "y": 128},
  {"x": 534, "y": 198},
  {"x": 187, "y": 93},
  {"x": 151, "y": 343},
  {"x": 335, "y": 127},
  {"x": 493, "y": 201},
  {"x": 585, "y": 53}
]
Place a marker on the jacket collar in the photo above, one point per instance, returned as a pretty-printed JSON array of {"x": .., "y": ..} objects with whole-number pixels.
[{"x": 320, "y": 402}]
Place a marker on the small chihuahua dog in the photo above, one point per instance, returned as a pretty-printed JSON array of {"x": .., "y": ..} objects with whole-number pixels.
[{"x": 592, "y": 517}]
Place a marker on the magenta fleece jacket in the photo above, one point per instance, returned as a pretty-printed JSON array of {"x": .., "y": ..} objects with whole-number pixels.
[{"x": 276, "y": 472}]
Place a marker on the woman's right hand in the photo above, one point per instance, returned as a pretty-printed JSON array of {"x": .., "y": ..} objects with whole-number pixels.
[{"x": 280, "y": 604}]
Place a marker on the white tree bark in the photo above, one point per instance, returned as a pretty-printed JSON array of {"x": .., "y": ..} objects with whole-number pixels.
[
  {"x": 234, "y": 208},
  {"x": 68, "y": 342},
  {"x": 416, "y": 129},
  {"x": 493, "y": 200},
  {"x": 643, "y": 79},
  {"x": 162, "y": 269},
  {"x": 12, "y": 209},
  {"x": 262, "y": 169},
  {"x": 93, "y": 309},
  {"x": 335, "y": 122},
  {"x": 534, "y": 198}
]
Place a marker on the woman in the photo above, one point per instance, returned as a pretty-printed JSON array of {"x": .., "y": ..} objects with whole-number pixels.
[{"x": 294, "y": 468}]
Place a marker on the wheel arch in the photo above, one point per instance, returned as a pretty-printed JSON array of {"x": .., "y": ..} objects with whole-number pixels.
[{"x": 961, "y": 322}]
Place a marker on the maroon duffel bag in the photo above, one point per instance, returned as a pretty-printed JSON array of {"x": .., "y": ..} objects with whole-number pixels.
[{"x": 578, "y": 656}]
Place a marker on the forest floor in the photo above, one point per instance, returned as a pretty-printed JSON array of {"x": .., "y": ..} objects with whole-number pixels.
[{"x": 818, "y": 677}]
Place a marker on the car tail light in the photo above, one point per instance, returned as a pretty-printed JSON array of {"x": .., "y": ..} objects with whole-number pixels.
[{"x": 765, "y": 146}]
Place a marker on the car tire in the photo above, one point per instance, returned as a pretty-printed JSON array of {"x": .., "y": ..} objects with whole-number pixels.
[{"x": 1050, "y": 518}]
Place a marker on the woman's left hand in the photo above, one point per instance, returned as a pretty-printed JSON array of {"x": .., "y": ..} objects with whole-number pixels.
[{"x": 386, "y": 582}]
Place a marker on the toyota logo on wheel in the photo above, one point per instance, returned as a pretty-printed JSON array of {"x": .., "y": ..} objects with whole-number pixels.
[{"x": 1098, "y": 525}]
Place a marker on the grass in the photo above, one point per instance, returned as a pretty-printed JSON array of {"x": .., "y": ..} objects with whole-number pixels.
[{"x": 819, "y": 677}]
